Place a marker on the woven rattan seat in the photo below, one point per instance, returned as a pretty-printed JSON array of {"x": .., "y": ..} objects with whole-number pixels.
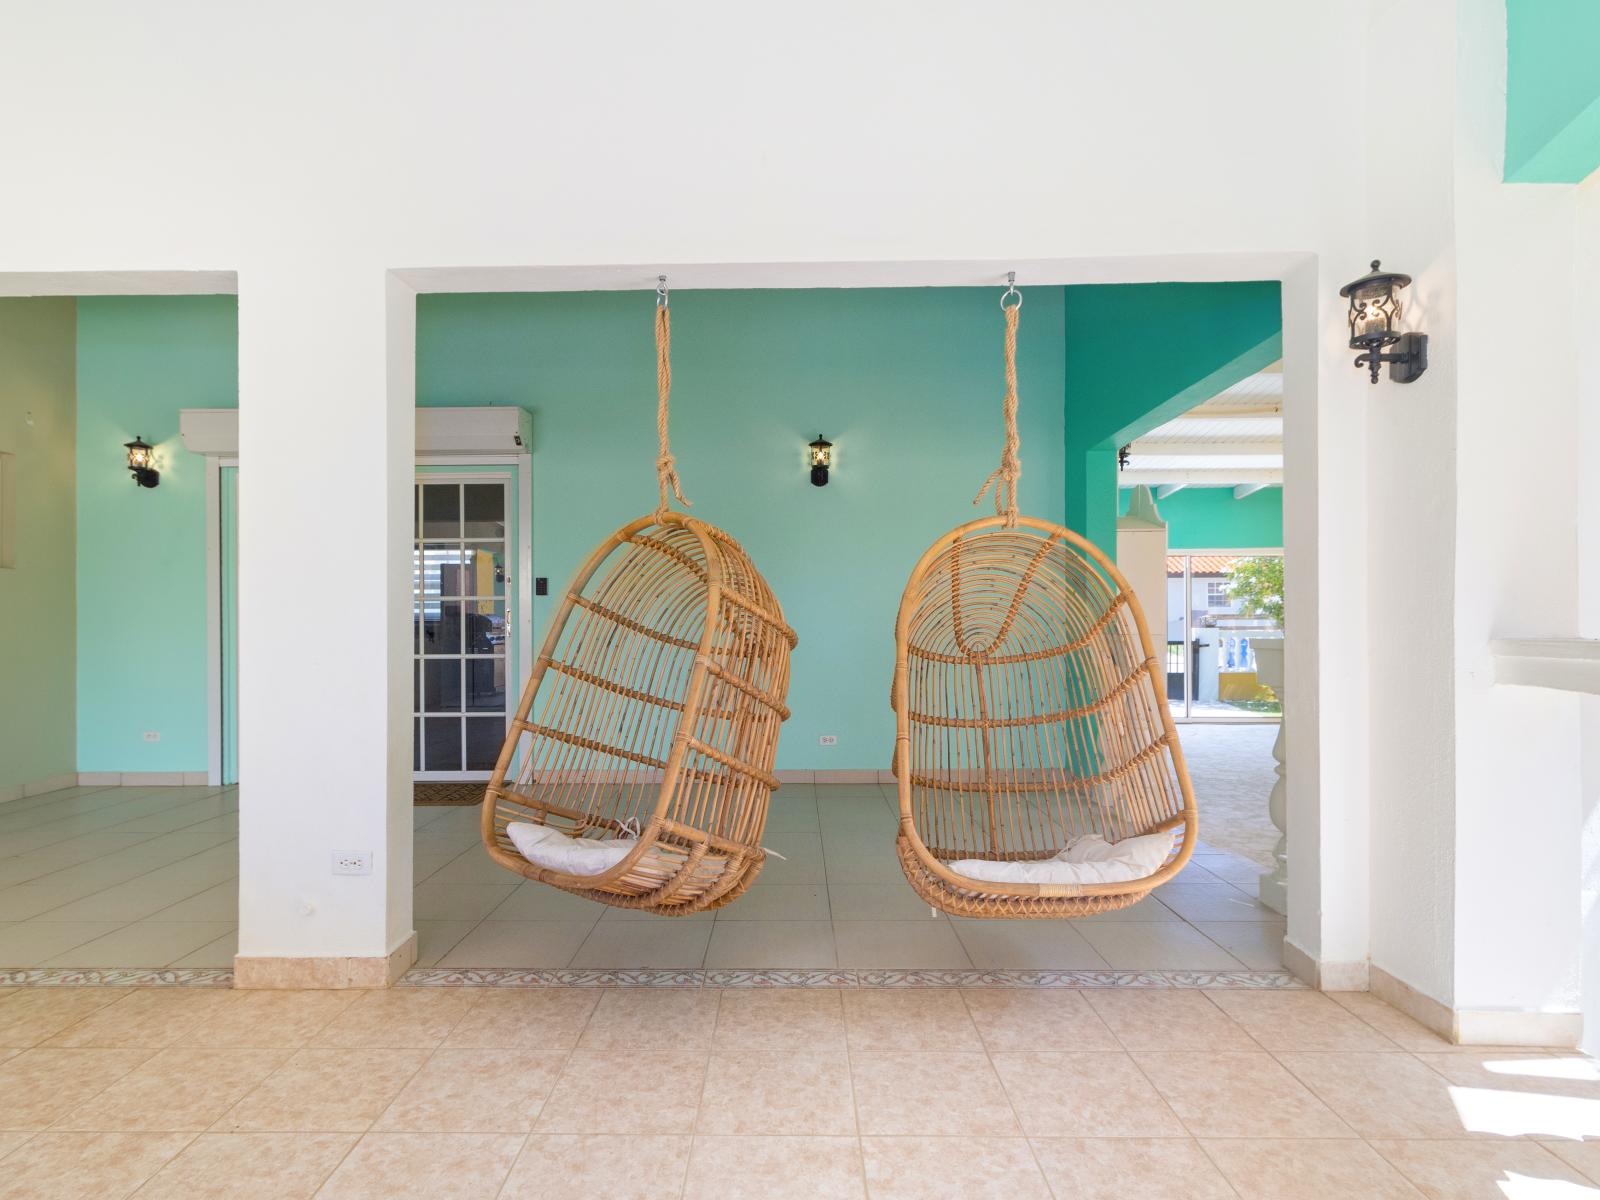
[
  {"x": 1030, "y": 709},
  {"x": 654, "y": 708}
]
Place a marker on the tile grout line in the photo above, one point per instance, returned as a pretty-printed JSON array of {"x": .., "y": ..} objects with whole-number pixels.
[
  {"x": 112, "y": 826},
  {"x": 233, "y": 840},
  {"x": 1022, "y": 1130}
]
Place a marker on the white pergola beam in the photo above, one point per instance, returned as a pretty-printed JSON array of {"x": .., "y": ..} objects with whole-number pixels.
[
  {"x": 1176, "y": 449},
  {"x": 1169, "y": 489},
  {"x": 1242, "y": 490},
  {"x": 1201, "y": 477}
]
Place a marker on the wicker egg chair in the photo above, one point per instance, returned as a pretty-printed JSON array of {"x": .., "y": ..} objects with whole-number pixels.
[
  {"x": 1030, "y": 710},
  {"x": 652, "y": 713}
]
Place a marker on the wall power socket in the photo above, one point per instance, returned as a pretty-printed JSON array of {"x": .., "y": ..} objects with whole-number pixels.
[{"x": 352, "y": 862}]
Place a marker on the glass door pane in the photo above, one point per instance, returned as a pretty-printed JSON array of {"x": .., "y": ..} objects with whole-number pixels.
[{"x": 461, "y": 609}]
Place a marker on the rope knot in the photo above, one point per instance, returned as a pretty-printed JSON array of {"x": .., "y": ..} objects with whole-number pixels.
[
  {"x": 1004, "y": 477},
  {"x": 666, "y": 465}
]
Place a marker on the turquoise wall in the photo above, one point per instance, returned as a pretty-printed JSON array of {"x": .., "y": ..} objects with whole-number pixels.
[
  {"x": 1211, "y": 519},
  {"x": 141, "y": 552},
  {"x": 1139, "y": 355},
  {"x": 907, "y": 384},
  {"x": 1552, "y": 90},
  {"x": 36, "y": 592}
]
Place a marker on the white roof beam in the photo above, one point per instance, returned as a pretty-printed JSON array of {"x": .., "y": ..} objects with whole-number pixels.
[
  {"x": 1169, "y": 489},
  {"x": 1242, "y": 490},
  {"x": 1176, "y": 449},
  {"x": 1218, "y": 477}
]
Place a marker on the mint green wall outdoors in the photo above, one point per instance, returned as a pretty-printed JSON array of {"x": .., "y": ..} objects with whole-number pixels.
[
  {"x": 1211, "y": 519},
  {"x": 142, "y": 552},
  {"x": 1139, "y": 355},
  {"x": 907, "y": 384},
  {"x": 36, "y": 609},
  {"x": 1552, "y": 90}
]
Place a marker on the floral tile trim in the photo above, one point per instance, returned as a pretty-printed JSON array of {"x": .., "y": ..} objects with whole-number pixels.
[
  {"x": 203, "y": 977},
  {"x": 117, "y": 977},
  {"x": 530, "y": 978},
  {"x": 492, "y": 977}
]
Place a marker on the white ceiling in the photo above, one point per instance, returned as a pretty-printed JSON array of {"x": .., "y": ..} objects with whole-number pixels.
[{"x": 1234, "y": 438}]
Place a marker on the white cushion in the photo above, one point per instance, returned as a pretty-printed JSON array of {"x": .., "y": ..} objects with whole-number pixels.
[
  {"x": 556, "y": 851},
  {"x": 1087, "y": 859}
]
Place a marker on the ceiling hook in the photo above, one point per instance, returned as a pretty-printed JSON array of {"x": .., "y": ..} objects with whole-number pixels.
[{"x": 1011, "y": 292}]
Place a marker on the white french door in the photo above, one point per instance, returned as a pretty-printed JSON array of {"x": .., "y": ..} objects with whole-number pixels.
[{"x": 463, "y": 621}]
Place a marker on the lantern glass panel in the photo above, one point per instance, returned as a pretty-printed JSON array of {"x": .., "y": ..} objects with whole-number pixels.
[{"x": 1374, "y": 314}]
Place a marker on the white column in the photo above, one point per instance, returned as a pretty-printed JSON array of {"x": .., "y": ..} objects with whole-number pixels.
[
  {"x": 1327, "y": 689},
  {"x": 326, "y": 449}
]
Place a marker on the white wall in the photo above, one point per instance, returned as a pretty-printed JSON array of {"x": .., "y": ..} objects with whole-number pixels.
[
  {"x": 312, "y": 148},
  {"x": 1516, "y": 749},
  {"x": 1411, "y": 484},
  {"x": 1586, "y": 449}
]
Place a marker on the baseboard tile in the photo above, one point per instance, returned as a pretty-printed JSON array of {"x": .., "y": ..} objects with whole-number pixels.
[
  {"x": 324, "y": 974},
  {"x": 138, "y": 779},
  {"x": 54, "y": 784},
  {"x": 1324, "y": 976},
  {"x": 1419, "y": 1006},
  {"x": 836, "y": 775},
  {"x": 1481, "y": 1026},
  {"x": 1497, "y": 1027},
  {"x": 21, "y": 791}
]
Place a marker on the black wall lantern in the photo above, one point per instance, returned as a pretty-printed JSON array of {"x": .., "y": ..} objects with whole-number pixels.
[
  {"x": 821, "y": 460},
  {"x": 139, "y": 459},
  {"x": 1375, "y": 326}
]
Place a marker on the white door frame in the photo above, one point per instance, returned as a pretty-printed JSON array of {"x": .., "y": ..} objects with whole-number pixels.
[{"x": 519, "y": 467}]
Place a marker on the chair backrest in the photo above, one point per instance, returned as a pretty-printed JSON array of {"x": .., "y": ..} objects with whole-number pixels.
[
  {"x": 1029, "y": 699},
  {"x": 660, "y": 687}
]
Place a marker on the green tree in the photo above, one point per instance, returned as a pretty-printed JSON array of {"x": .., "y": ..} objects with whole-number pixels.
[{"x": 1257, "y": 584}]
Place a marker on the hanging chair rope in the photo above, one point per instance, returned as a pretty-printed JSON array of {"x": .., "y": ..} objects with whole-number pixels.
[
  {"x": 666, "y": 466},
  {"x": 1004, "y": 477}
]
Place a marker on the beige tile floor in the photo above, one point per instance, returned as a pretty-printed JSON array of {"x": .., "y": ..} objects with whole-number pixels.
[
  {"x": 1157, "y": 1093},
  {"x": 147, "y": 877}
]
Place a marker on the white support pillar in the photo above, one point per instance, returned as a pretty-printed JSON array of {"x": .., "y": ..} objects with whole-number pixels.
[
  {"x": 1326, "y": 692},
  {"x": 326, "y": 397}
]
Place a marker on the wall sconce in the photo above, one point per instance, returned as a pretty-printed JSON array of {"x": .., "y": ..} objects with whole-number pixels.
[
  {"x": 1374, "y": 325},
  {"x": 139, "y": 459},
  {"x": 821, "y": 460}
]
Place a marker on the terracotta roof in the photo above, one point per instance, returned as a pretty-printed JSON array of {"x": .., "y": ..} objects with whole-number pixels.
[{"x": 1204, "y": 564}]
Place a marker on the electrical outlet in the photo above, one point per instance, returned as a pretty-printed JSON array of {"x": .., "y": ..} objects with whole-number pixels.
[
  {"x": 827, "y": 739},
  {"x": 351, "y": 862},
  {"x": 152, "y": 735}
]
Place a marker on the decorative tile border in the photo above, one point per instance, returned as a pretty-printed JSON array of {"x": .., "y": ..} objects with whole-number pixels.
[
  {"x": 202, "y": 977},
  {"x": 493, "y": 977},
  {"x": 497, "y": 977}
]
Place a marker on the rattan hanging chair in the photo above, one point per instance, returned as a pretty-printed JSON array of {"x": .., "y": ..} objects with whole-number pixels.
[
  {"x": 1031, "y": 718},
  {"x": 642, "y": 749}
]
